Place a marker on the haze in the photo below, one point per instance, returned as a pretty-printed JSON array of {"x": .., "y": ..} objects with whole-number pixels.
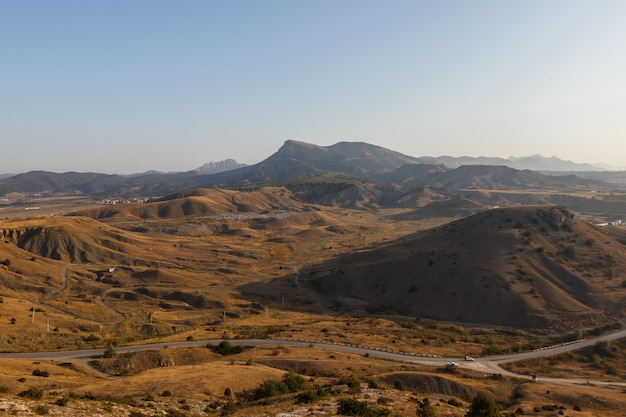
[{"x": 124, "y": 87}]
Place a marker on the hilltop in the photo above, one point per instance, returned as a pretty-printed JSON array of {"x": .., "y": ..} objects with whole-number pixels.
[{"x": 530, "y": 267}]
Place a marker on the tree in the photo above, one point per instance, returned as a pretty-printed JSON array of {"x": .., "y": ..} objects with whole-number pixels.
[
  {"x": 110, "y": 352},
  {"x": 483, "y": 406},
  {"x": 294, "y": 382},
  {"x": 424, "y": 409}
]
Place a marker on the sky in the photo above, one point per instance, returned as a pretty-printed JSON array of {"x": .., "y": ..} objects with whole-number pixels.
[{"x": 118, "y": 86}]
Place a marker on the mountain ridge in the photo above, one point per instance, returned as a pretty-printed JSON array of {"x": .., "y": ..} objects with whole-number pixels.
[{"x": 297, "y": 162}]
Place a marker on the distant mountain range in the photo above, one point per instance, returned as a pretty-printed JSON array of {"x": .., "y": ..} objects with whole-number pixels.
[
  {"x": 348, "y": 171},
  {"x": 533, "y": 163}
]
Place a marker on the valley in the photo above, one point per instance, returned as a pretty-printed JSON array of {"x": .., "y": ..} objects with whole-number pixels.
[{"x": 478, "y": 263}]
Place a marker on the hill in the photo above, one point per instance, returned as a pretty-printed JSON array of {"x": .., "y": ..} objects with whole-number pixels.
[
  {"x": 531, "y": 267},
  {"x": 199, "y": 202}
]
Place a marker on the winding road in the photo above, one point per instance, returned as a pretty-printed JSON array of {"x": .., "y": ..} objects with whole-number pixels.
[{"x": 490, "y": 365}]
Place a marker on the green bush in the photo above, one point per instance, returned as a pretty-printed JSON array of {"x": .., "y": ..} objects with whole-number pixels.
[
  {"x": 483, "y": 406},
  {"x": 110, "y": 351},
  {"x": 604, "y": 348},
  {"x": 270, "y": 389},
  {"x": 294, "y": 382},
  {"x": 32, "y": 392},
  {"x": 306, "y": 397},
  {"x": 225, "y": 348},
  {"x": 373, "y": 384},
  {"x": 42, "y": 373},
  {"x": 352, "y": 407}
]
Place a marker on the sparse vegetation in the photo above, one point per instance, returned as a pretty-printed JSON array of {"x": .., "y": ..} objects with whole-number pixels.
[
  {"x": 32, "y": 393},
  {"x": 40, "y": 372},
  {"x": 483, "y": 406},
  {"x": 425, "y": 409},
  {"x": 352, "y": 407},
  {"x": 225, "y": 348}
]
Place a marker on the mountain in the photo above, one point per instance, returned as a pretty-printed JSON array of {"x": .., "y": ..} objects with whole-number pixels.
[
  {"x": 350, "y": 174},
  {"x": 221, "y": 166},
  {"x": 533, "y": 162},
  {"x": 299, "y": 160},
  {"x": 517, "y": 267}
]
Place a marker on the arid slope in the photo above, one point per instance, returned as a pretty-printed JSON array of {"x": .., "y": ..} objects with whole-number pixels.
[{"x": 532, "y": 267}]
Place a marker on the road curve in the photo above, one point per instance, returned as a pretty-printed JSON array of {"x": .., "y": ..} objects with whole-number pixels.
[{"x": 487, "y": 364}]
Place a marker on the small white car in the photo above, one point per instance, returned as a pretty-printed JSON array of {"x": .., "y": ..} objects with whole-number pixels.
[
  {"x": 453, "y": 364},
  {"x": 469, "y": 358}
]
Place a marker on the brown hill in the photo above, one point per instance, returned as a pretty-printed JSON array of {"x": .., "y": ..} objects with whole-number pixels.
[
  {"x": 199, "y": 202},
  {"x": 70, "y": 239},
  {"x": 530, "y": 267}
]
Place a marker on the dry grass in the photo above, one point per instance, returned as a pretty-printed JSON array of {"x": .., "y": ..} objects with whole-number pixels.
[{"x": 201, "y": 276}]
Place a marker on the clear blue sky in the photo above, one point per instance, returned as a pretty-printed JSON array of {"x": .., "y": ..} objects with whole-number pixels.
[{"x": 126, "y": 86}]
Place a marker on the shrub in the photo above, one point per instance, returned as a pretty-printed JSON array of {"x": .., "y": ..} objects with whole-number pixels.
[
  {"x": 424, "y": 409},
  {"x": 483, "y": 406},
  {"x": 42, "y": 409},
  {"x": 39, "y": 372},
  {"x": 110, "y": 351},
  {"x": 306, "y": 397},
  {"x": 294, "y": 382},
  {"x": 62, "y": 401},
  {"x": 166, "y": 393},
  {"x": 3, "y": 389},
  {"x": 454, "y": 402},
  {"x": 225, "y": 348},
  {"x": 270, "y": 389},
  {"x": 352, "y": 407},
  {"x": 32, "y": 392},
  {"x": 604, "y": 348},
  {"x": 353, "y": 383},
  {"x": 372, "y": 384}
]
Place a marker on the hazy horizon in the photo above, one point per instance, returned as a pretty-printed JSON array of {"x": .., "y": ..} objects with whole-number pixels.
[
  {"x": 126, "y": 87},
  {"x": 156, "y": 169}
]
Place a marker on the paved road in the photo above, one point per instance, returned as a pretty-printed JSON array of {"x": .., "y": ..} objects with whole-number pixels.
[{"x": 487, "y": 364}]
